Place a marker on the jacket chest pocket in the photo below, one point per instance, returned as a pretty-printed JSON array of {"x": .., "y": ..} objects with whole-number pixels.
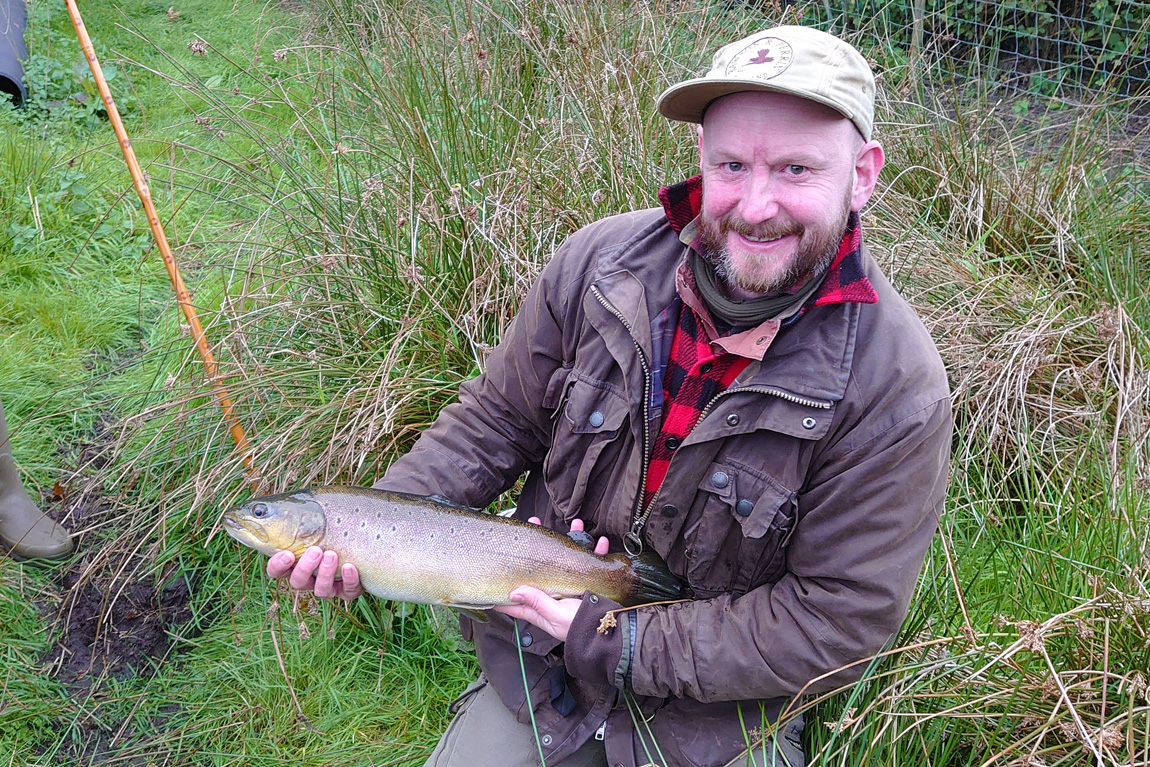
[
  {"x": 588, "y": 421},
  {"x": 740, "y": 524}
]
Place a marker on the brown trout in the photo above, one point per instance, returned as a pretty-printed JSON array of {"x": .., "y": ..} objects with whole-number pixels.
[{"x": 415, "y": 549}]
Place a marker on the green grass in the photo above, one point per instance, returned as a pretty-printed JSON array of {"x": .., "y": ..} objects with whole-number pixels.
[{"x": 389, "y": 180}]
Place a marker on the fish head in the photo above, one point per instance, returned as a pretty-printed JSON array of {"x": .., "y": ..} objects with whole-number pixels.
[{"x": 292, "y": 521}]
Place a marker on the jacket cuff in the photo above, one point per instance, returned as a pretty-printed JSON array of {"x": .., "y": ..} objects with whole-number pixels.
[{"x": 600, "y": 658}]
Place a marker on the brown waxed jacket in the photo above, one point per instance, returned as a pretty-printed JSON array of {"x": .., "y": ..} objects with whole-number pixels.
[{"x": 799, "y": 509}]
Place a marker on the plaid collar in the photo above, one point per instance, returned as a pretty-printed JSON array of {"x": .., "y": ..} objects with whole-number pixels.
[{"x": 845, "y": 281}]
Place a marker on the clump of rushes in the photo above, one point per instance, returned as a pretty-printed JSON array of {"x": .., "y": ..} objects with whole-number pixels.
[{"x": 410, "y": 167}]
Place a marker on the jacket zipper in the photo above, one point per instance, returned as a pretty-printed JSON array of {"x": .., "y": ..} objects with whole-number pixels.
[{"x": 632, "y": 540}]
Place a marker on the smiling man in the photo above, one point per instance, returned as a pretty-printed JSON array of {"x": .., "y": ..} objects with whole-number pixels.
[{"x": 728, "y": 381}]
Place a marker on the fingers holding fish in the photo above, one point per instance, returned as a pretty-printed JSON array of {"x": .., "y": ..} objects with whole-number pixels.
[
  {"x": 602, "y": 546},
  {"x": 542, "y": 611},
  {"x": 316, "y": 571}
]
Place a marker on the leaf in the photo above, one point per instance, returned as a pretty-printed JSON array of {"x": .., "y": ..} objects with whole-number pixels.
[{"x": 215, "y": 81}]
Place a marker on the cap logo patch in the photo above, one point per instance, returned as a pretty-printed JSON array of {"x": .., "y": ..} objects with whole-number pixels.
[{"x": 761, "y": 59}]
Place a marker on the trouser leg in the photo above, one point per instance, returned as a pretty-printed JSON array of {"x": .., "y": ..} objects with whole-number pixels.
[
  {"x": 485, "y": 734},
  {"x": 785, "y": 749},
  {"x": 24, "y": 530}
]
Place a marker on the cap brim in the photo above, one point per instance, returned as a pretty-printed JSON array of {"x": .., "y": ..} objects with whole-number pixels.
[{"x": 688, "y": 100}]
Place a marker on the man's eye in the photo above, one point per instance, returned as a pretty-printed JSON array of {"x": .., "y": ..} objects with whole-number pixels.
[
  {"x": 796, "y": 170},
  {"x": 734, "y": 167}
]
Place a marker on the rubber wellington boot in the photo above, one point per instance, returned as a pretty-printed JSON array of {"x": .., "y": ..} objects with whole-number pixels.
[{"x": 25, "y": 531}]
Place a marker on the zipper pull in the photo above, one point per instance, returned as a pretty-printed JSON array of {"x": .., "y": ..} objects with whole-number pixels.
[{"x": 602, "y": 731}]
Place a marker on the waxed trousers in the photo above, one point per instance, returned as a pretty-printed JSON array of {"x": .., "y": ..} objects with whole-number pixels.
[{"x": 485, "y": 734}]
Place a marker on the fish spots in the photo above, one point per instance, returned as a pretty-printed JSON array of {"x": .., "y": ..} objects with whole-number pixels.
[{"x": 345, "y": 533}]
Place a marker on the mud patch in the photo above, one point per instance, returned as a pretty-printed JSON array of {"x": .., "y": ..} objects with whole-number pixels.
[{"x": 117, "y": 629}]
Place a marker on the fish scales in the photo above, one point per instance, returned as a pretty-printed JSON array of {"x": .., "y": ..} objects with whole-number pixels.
[
  {"x": 414, "y": 549},
  {"x": 421, "y": 554}
]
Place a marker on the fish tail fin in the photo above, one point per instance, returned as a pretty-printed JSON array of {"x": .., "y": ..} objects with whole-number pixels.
[{"x": 654, "y": 582}]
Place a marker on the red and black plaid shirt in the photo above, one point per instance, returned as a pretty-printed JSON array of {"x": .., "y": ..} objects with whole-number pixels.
[{"x": 695, "y": 372}]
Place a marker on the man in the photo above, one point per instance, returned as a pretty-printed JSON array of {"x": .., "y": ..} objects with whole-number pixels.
[
  {"x": 25, "y": 531},
  {"x": 731, "y": 382}
]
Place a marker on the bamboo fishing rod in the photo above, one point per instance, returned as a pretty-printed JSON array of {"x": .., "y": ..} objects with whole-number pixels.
[{"x": 182, "y": 296}]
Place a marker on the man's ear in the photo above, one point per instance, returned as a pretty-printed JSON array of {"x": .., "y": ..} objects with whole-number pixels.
[
  {"x": 700, "y": 130},
  {"x": 868, "y": 163}
]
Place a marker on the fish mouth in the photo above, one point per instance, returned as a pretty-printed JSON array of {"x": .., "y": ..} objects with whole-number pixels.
[{"x": 241, "y": 530}]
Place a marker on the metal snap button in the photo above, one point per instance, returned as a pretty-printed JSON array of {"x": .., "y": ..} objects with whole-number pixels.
[
  {"x": 669, "y": 510},
  {"x": 545, "y": 740},
  {"x": 672, "y": 443},
  {"x": 720, "y": 479},
  {"x": 744, "y": 507},
  {"x": 809, "y": 423},
  {"x": 596, "y": 419},
  {"x": 526, "y": 639},
  {"x": 733, "y": 419},
  {"x": 593, "y": 599},
  {"x": 706, "y": 367}
]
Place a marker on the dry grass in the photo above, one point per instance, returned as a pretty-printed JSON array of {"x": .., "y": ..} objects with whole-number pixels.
[{"x": 408, "y": 201}]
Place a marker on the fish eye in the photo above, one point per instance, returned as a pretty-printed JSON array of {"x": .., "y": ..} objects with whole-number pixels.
[{"x": 260, "y": 510}]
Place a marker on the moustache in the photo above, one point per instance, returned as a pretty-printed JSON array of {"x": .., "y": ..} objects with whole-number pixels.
[{"x": 765, "y": 231}]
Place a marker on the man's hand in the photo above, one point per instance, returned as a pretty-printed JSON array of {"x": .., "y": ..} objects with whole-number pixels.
[
  {"x": 539, "y": 609},
  {"x": 316, "y": 572}
]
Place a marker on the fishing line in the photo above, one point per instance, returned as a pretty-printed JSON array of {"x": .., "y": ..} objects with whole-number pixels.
[{"x": 527, "y": 692}]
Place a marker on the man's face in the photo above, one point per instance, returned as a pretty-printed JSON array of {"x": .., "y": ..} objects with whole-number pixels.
[{"x": 781, "y": 174}]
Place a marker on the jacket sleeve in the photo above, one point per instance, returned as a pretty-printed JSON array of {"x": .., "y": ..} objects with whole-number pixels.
[
  {"x": 866, "y": 519},
  {"x": 479, "y": 445}
]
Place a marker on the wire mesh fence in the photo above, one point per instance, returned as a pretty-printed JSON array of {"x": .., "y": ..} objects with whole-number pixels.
[{"x": 1069, "y": 49}]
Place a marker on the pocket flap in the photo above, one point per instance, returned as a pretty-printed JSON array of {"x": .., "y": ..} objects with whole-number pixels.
[
  {"x": 591, "y": 409},
  {"x": 769, "y": 511},
  {"x": 720, "y": 480}
]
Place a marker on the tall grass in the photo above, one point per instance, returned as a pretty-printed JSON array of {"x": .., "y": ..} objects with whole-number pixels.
[{"x": 407, "y": 169}]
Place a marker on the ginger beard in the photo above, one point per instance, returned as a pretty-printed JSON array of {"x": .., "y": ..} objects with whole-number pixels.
[{"x": 817, "y": 248}]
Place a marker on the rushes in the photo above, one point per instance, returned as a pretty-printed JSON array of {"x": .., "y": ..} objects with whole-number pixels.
[{"x": 397, "y": 178}]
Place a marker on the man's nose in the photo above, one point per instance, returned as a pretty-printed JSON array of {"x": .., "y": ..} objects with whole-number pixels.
[{"x": 760, "y": 199}]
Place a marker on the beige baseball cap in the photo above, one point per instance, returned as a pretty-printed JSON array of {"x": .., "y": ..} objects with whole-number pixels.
[{"x": 802, "y": 61}]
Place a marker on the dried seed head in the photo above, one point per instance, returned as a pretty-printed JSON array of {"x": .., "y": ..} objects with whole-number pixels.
[
  {"x": 1110, "y": 738},
  {"x": 1108, "y": 322},
  {"x": 198, "y": 47},
  {"x": 1030, "y": 633},
  {"x": 1138, "y": 686}
]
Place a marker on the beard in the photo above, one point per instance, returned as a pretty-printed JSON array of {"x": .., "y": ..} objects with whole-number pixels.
[{"x": 817, "y": 248}]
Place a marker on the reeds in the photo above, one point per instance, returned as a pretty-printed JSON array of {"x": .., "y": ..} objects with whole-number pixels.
[{"x": 407, "y": 169}]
